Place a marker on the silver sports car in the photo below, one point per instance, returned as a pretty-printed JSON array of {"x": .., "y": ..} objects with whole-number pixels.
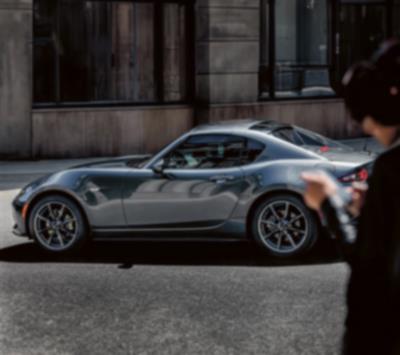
[{"x": 226, "y": 181}]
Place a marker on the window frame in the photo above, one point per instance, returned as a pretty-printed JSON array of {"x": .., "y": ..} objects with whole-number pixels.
[{"x": 158, "y": 61}]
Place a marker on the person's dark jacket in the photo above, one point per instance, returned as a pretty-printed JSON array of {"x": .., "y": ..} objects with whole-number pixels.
[{"x": 373, "y": 296}]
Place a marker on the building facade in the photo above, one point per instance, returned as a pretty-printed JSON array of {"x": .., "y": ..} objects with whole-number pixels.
[{"x": 85, "y": 78}]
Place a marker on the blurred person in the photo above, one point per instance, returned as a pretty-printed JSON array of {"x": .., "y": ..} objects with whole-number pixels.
[{"x": 371, "y": 91}]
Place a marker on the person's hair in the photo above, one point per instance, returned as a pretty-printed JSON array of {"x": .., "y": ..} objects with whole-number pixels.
[{"x": 372, "y": 88}]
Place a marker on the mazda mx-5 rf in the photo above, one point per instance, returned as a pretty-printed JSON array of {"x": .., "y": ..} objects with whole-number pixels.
[{"x": 227, "y": 181}]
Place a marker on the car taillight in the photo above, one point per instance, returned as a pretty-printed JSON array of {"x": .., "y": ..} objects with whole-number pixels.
[{"x": 360, "y": 176}]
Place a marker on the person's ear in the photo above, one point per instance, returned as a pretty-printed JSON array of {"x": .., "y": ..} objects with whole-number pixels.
[{"x": 394, "y": 90}]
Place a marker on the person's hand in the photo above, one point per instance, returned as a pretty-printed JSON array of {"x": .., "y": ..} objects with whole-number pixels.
[
  {"x": 358, "y": 192},
  {"x": 319, "y": 186}
]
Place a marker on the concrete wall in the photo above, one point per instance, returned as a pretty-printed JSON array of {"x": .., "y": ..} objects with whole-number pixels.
[
  {"x": 79, "y": 132},
  {"x": 70, "y": 133},
  {"x": 227, "y": 50},
  {"x": 328, "y": 117},
  {"x": 15, "y": 77}
]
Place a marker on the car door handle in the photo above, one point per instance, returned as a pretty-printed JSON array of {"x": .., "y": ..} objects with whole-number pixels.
[{"x": 221, "y": 179}]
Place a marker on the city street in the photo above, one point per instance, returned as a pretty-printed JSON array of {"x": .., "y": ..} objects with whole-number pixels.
[{"x": 163, "y": 298}]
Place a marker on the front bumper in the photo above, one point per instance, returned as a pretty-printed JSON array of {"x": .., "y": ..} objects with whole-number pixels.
[
  {"x": 17, "y": 232},
  {"x": 19, "y": 228}
]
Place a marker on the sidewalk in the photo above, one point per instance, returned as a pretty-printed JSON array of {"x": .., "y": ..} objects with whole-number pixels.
[
  {"x": 39, "y": 167},
  {"x": 15, "y": 174}
]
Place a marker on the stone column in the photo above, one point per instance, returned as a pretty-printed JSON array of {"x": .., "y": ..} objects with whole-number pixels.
[
  {"x": 15, "y": 78},
  {"x": 227, "y": 51}
]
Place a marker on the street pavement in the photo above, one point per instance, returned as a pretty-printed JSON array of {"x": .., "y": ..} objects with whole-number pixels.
[{"x": 162, "y": 298}]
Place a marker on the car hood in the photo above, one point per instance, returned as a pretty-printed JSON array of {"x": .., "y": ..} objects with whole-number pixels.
[
  {"x": 118, "y": 162},
  {"x": 61, "y": 178}
]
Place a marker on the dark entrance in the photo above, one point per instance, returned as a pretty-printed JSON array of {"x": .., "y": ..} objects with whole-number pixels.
[{"x": 362, "y": 26}]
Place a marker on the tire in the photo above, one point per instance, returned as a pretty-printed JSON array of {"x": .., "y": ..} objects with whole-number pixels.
[
  {"x": 283, "y": 226},
  {"x": 57, "y": 225}
]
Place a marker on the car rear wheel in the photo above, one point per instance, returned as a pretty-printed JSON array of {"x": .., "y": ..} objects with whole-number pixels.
[
  {"x": 283, "y": 226},
  {"x": 57, "y": 225}
]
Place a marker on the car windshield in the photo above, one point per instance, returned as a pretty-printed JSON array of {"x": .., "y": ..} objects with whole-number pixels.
[{"x": 140, "y": 164}]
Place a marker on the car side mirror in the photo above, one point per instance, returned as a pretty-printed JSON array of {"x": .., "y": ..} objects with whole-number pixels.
[{"x": 158, "y": 169}]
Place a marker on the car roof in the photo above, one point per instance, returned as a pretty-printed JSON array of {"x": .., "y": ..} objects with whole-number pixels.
[{"x": 239, "y": 125}]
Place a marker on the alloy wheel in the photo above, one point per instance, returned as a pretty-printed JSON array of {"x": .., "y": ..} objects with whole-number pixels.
[
  {"x": 282, "y": 227},
  {"x": 55, "y": 226}
]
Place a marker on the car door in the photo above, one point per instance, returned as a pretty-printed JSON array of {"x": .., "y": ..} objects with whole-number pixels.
[{"x": 195, "y": 185}]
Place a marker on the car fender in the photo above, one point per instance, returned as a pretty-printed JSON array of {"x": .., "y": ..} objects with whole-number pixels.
[{"x": 97, "y": 192}]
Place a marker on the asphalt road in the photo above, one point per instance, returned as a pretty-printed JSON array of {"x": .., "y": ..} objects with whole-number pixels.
[{"x": 161, "y": 298}]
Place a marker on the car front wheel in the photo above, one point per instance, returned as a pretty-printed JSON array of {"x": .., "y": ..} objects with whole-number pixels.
[
  {"x": 283, "y": 226},
  {"x": 57, "y": 225}
]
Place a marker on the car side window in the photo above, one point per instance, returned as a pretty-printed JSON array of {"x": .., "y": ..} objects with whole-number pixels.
[
  {"x": 313, "y": 139},
  {"x": 289, "y": 135},
  {"x": 252, "y": 151},
  {"x": 213, "y": 151}
]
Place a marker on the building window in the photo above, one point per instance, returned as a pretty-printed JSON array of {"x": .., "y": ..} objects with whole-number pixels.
[
  {"x": 307, "y": 45},
  {"x": 99, "y": 52},
  {"x": 362, "y": 26},
  {"x": 295, "y": 49}
]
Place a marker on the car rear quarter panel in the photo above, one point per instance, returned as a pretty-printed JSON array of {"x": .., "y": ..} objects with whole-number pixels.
[{"x": 269, "y": 177}]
